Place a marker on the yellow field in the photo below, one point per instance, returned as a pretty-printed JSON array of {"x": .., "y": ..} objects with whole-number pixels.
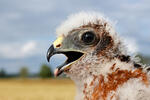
[{"x": 50, "y": 89}]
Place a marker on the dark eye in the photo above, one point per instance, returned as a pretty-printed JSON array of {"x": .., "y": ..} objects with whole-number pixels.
[{"x": 88, "y": 37}]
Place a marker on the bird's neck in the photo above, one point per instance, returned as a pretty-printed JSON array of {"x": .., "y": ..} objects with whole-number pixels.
[{"x": 102, "y": 77}]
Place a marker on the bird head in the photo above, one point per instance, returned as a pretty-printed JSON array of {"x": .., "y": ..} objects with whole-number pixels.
[{"x": 84, "y": 38}]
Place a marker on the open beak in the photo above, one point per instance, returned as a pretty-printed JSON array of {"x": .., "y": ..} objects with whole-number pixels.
[{"x": 72, "y": 56}]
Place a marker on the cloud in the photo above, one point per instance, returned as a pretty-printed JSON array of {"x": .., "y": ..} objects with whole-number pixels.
[
  {"x": 18, "y": 50},
  {"x": 28, "y": 47}
]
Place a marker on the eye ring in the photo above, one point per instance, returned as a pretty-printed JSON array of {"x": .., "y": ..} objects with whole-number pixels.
[{"x": 88, "y": 37}]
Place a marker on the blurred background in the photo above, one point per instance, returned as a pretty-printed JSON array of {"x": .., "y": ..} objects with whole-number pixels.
[{"x": 27, "y": 29}]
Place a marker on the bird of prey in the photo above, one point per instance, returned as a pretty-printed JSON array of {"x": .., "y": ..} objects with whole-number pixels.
[{"x": 98, "y": 61}]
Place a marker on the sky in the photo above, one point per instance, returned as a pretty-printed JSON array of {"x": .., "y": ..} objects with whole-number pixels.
[{"x": 27, "y": 27}]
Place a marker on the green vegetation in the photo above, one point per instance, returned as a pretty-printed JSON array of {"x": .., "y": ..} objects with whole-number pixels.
[
  {"x": 45, "y": 71},
  {"x": 24, "y": 72},
  {"x": 2, "y": 73}
]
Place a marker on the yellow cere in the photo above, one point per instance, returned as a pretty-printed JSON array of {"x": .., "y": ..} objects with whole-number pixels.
[{"x": 58, "y": 41}]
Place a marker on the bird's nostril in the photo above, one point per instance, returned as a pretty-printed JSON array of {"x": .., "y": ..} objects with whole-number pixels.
[{"x": 58, "y": 45}]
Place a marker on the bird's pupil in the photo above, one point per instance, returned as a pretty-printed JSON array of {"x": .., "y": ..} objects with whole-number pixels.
[{"x": 88, "y": 37}]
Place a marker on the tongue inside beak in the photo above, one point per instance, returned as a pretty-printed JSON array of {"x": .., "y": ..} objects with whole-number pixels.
[
  {"x": 57, "y": 72},
  {"x": 72, "y": 56}
]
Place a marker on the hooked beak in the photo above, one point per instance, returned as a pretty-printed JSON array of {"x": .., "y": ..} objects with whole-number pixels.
[
  {"x": 71, "y": 55},
  {"x": 50, "y": 52}
]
